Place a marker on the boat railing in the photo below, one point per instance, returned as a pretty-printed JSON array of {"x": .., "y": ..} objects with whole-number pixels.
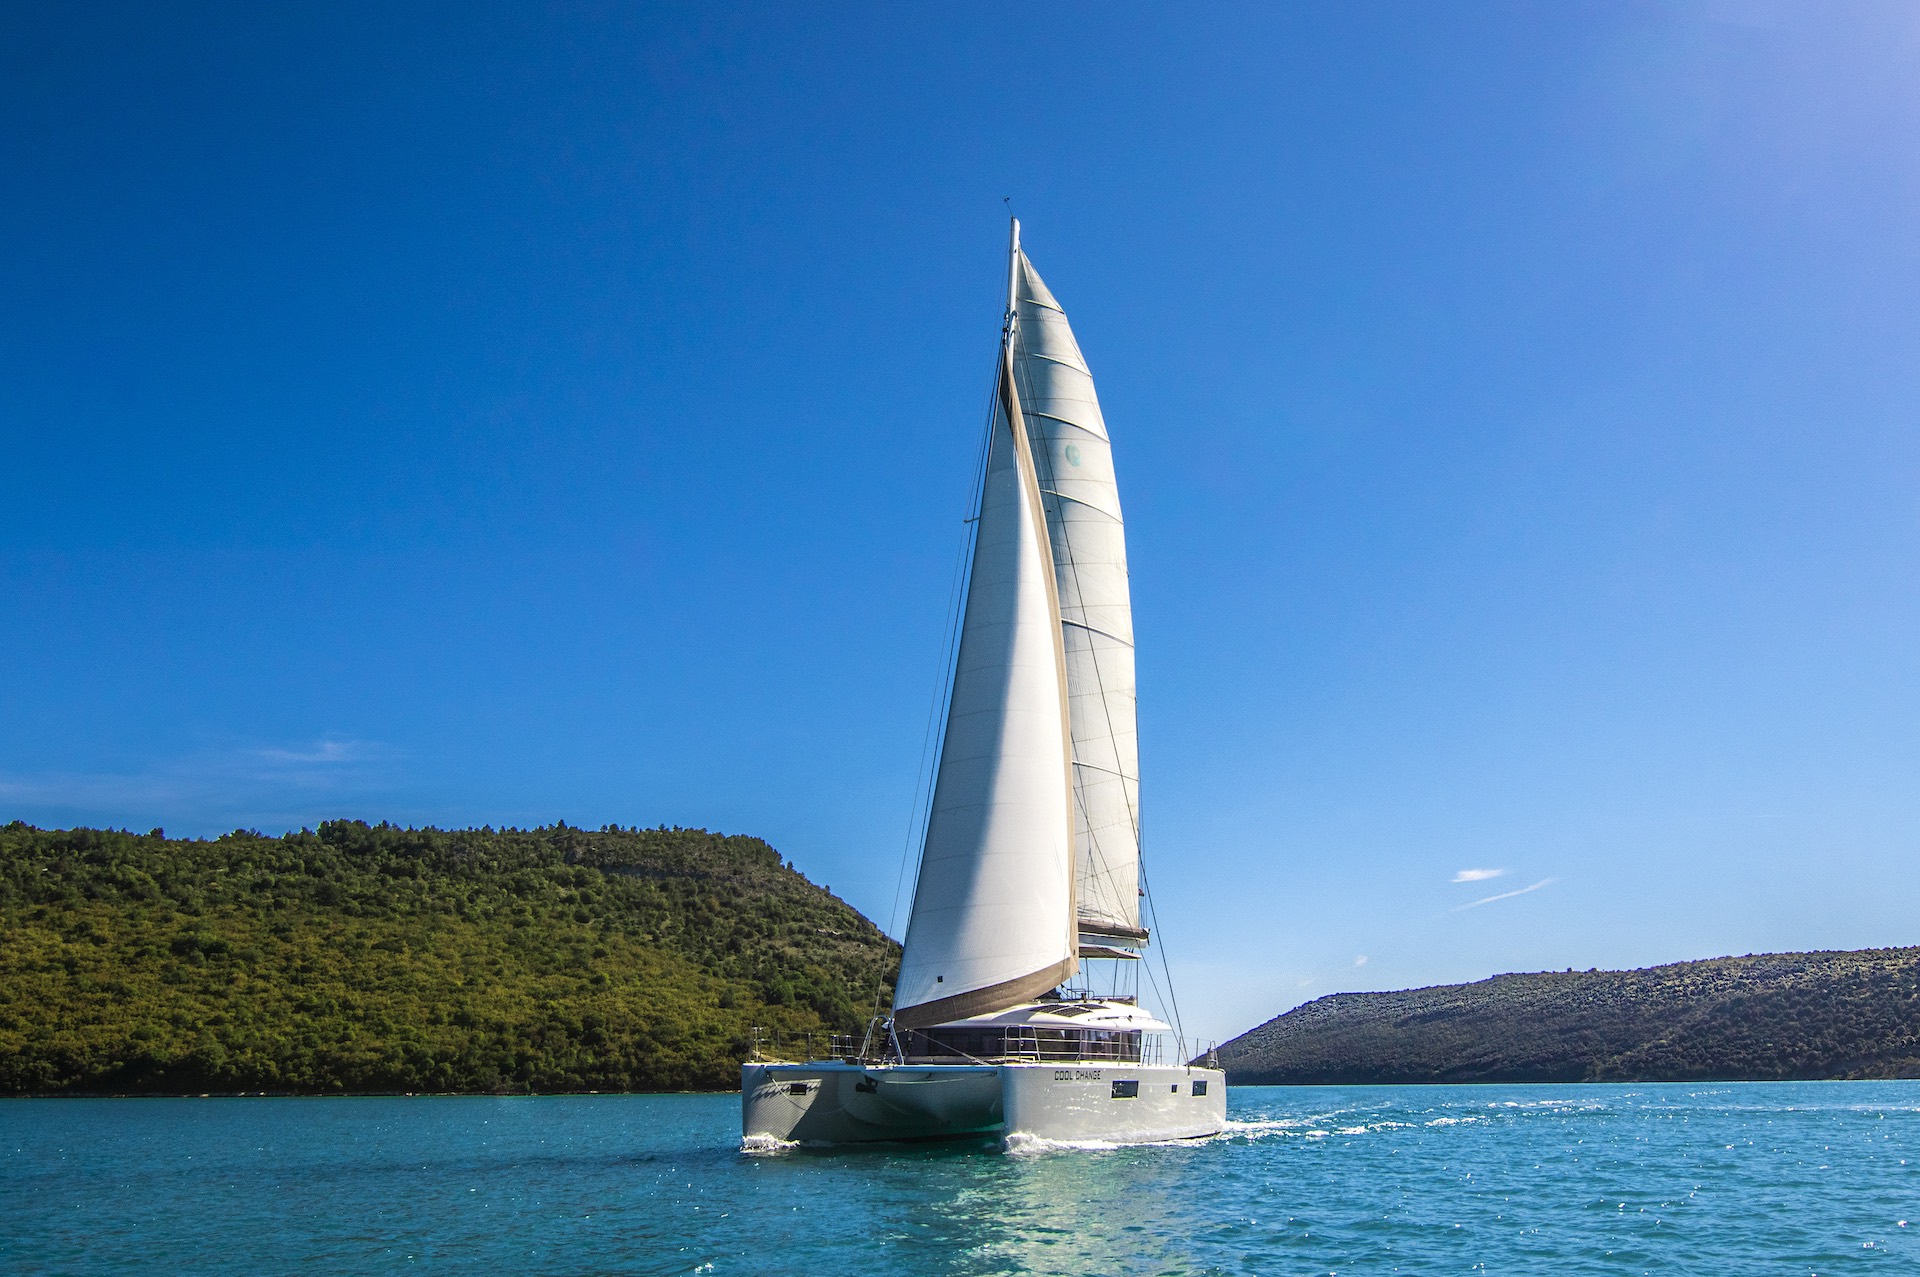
[{"x": 765, "y": 1047}]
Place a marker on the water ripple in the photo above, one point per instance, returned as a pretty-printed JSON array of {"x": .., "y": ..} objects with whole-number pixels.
[{"x": 1787, "y": 1178}]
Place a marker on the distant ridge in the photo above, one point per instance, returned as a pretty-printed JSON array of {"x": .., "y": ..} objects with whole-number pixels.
[{"x": 1777, "y": 1016}]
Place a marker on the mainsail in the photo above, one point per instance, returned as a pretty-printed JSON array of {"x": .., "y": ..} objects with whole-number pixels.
[{"x": 1075, "y": 463}]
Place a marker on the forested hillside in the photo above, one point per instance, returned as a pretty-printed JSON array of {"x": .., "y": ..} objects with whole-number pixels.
[
  {"x": 358, "y": 958},
  {"x": 1769, "y": 1016}
]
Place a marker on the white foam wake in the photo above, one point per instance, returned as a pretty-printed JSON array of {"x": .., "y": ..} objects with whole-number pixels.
[
  {"x": 765, "y": 1145},
  {"x": 1021, "y": 1144},
  {"x": 1263, "y": 1127}
]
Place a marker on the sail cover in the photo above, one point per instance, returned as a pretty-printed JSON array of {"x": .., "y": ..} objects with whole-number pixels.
[
  {"x": 1075, "y": 465},
  {"x": 993, "y": 912}
]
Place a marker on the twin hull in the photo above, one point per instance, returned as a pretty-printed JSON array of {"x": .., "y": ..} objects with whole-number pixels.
[{"x": 834, "y": 1103}]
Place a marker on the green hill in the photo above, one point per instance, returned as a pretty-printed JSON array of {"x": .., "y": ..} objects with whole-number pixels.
[
  {"x": 1767, "y": 1017},
  {"x": 358, "y": 958}
]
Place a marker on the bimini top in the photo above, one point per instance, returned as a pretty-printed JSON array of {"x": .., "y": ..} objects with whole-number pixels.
[{"x": 1118, "y": 1017}]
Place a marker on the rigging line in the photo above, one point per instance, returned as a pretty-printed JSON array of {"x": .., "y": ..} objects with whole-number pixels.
[
  {"x": 956, "y": 615},
  {"x": 922, "y": 811},
  {"x": 1105, "y": 873},
  {"x": 943, "y": 690},
  {"x": 1180, "y": 1044},
  {"x": 1173, "y": 1000}
]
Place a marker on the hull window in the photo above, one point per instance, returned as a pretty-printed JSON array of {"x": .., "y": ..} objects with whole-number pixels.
[
  {"x": 1128, "y": 1090},
  {"x": 1200, "y": 1087}
]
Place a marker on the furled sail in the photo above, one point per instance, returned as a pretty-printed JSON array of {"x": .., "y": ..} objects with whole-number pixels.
[
  {"x": 993, "y": 911},
  {"x": 1075, "y": 463}
]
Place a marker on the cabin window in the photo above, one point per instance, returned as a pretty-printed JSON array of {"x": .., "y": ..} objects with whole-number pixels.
[
  {"x": 1128, "y": 1090},
  {"x": 952, "y": 1043},
  {"x": 1025, "y": 1042},
  {"x": 1200, "y": 1087}
]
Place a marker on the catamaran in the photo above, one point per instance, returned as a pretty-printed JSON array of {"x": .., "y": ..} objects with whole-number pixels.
[{"x": 1030, "y": 859}]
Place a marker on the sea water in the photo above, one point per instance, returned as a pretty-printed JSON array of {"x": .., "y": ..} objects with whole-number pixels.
[{"x": 1710, "y": 1179}]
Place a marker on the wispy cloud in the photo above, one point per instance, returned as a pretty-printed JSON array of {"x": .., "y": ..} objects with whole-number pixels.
[
  {"x": 1505, "y": 895},
  {"x": 322, "y": 752},
  {"x": 82, "y": 790},
  {"x": 1360, "y": 961},
  {"x": 206, "y": 789},
  {"x": 1477, "y": 875}
]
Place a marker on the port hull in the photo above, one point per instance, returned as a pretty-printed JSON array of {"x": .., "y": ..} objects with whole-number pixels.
[
  {"x": 831, "y": 1102},
  {"x": 834, "y": 1103}
]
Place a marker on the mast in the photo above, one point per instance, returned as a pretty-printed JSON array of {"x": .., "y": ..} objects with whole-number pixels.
[{"x": 1013, "y": 280}]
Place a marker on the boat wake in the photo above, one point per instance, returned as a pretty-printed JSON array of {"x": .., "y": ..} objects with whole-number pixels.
[
  {"x": 1262, "y": 1127},
  {"x": 1021, "y": 1144},
  {"x": 765, "y": 1145}
]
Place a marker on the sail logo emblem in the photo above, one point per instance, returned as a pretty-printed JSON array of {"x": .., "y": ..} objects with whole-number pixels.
[{"x": 1073, "y": 454}]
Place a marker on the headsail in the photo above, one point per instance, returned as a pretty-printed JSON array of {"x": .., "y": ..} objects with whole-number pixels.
[
  {"x": 993, "y": 910},
  {"x": 1075, "y": 463}
]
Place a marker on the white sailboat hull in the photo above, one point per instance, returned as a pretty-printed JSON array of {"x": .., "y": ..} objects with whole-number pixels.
[{"x": 1074, "y": 1102}]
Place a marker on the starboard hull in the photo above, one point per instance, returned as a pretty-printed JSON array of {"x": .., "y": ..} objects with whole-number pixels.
[
  {"x": 1099, "y": 1102},
  {"x": 836, "y": 1103}
]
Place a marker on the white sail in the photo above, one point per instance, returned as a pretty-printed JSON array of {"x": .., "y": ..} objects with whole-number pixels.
[
  {"x": 1075, "y": 463},
  {"x": 993, "y": 913}
]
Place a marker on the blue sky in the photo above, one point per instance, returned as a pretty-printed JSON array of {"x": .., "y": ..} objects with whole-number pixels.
[{"x": 458, "y": 414}]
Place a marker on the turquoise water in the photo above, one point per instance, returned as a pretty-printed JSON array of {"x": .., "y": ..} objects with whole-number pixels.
[{"x": 1753, "y": 1178}]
